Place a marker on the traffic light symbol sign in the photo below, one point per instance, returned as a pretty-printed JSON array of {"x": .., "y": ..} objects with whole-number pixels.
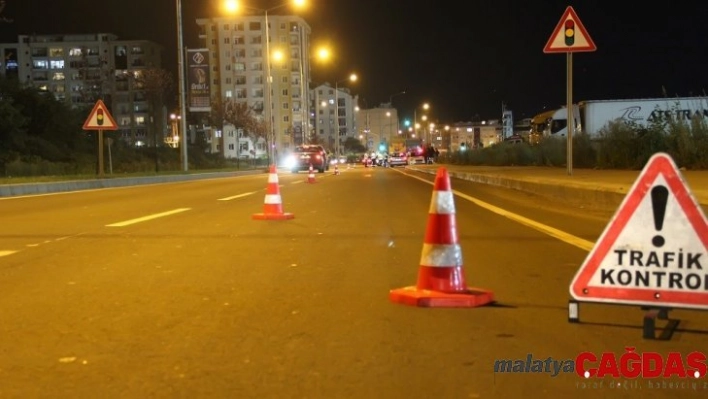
[
  {"x": 569, "y": 36},
  {"x": 569, "y": 32},
  {"x": 100, "y": 118}
]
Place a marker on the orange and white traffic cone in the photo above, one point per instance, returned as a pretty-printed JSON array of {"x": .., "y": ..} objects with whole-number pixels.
[
  {"x": 441, "y": 279},
  {"x": 336, "y": 170},
  {"x": 273, "y": 205},
  {"x": 311, "y": 175}
]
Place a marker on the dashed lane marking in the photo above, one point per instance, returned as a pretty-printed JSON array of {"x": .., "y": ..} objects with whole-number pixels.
[
  {"x": 146, "y": 218},
  {"x": 236, "y": 196}
]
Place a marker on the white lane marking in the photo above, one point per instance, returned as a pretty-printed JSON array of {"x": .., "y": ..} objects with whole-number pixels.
[
  {"x": 236, "y": 196},
  {"x": 146, "y": 218},
  {"x": 551, "y": 231},
  {"x": 7, "y": 252}
]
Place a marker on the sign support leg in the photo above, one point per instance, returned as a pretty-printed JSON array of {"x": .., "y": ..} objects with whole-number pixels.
[
  {"x": 100, "y": 153},
  {"x": 571, "y": 118},
  {"x": 649, "y": 326}
]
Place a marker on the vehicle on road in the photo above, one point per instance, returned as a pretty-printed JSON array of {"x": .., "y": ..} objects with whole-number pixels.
[
  {"x": 592, "y": 116},
  {"x": 398, "y": 159},
  {"x": 305, "y": 155},
  {"x": 416, "y": 159}
]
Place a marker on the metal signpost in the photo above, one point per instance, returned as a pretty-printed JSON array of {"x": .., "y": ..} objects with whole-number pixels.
[
  {"x": 100, "y": 119},
  {"x": 569, "y": 37}
]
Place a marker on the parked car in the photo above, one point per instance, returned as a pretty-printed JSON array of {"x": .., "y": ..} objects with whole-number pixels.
[
  {"x": 416, "y": 159},
  {"x": 305, "y": 155},
  {"x": 398, "y": 159}
]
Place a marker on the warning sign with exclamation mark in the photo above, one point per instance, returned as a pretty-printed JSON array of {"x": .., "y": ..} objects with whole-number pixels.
[{"x": 654, "y": 250}]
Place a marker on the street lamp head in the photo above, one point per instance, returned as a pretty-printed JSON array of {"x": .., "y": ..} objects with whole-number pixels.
[
  {"x": 231, "y": 6},
  {"x": 353, "y": 77},
  {"x": 278, "y": 55},
  {"x": 323, "y": 53}
]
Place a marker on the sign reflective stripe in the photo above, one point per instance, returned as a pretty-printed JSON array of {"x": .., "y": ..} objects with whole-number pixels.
[
  {"x": 443, "y": 202},
  {"x": 273, "y": 199},
  {"x": 441, "y": 255}
]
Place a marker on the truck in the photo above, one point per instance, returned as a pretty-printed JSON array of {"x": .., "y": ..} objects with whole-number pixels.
[
  {"x": 397, "y": 145},
  {"x": 592, "y": 116}
]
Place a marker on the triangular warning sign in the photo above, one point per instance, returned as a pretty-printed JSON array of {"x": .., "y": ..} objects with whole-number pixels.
[
  {"x": 100, "y": 118},
  {"x": 653, "y": 251},
  {"x": 569, "y": 36}
]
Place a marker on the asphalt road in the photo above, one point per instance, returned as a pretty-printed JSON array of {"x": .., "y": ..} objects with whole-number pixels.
[{"x": 174, "y": 291}]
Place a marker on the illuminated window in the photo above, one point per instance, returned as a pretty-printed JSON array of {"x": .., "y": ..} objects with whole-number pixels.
[{"x": 56, "y": 52}]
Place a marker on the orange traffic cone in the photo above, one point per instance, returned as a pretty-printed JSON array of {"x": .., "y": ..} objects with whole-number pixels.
[
  {"x": 273, "y": 206},
  {"x": 336, "y": 170},
  {"x": 441, "y": 279},
  {"x": 311, "y": 175}
]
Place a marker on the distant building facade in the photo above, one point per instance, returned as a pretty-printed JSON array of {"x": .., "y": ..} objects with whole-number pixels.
[
  {"x": 377, "y": 127},
  {"x": 80, "y": 69},
  {"x": 324, "y": 127}
]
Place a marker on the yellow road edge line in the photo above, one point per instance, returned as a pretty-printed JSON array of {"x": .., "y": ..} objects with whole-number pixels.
[{"x": 551, "y": 231}]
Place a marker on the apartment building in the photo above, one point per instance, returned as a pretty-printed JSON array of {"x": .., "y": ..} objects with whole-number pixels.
[
  {"x": 377, "y": 127},
  {"x": 239, "y": 61},
  {"x": 82, "y": 68},
  {"x": 323, "y": 124},
  {"x": 468, "y": 135}
]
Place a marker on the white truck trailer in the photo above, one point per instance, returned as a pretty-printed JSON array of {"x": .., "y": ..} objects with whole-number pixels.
[{"x": 592, "y": 116}]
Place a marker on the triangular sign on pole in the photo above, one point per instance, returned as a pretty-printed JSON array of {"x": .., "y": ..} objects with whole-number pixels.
[
  {"x": 100, "y": 118},
  {"x": 653, "y": 251},
  {"x": 569, "y": 36}
]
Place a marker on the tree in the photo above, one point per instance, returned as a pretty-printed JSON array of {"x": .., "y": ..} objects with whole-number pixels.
[
  {"x": 352, "y": 144},
  {"x": 158, "y": 85},
  {"x": 241, "y": 116}
]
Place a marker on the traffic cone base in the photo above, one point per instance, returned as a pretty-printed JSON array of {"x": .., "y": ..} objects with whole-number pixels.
[
  {"x": 311, "y": 175},
  {"x": 441, "y": 278},
  {"x": 470, "y": 298},
  {"x": 273, "y": 216},
  {"x": 273, "y": 204}
]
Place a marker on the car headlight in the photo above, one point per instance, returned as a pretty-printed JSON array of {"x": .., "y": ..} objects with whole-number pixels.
[{"x": 289, "y": 162}]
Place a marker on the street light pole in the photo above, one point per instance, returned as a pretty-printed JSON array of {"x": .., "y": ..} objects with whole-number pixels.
[
  {"x": 352, "y": 78},
  {"x": 269, "y": 85},
  {"x": 182, "y": 105},
  {"x": 336, "y": 120}
]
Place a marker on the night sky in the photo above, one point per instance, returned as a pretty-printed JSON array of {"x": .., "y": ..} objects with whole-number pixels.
[{"x": 465, "y": 58}]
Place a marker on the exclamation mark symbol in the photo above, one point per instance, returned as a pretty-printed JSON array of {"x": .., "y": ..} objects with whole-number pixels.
[{"x": 659, "y": 196}]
